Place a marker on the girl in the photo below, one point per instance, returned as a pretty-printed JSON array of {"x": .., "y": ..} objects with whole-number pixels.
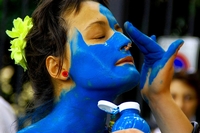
[{"x": 76, "y": 54}]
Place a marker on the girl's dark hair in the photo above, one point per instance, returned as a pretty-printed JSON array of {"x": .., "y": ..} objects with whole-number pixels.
[
  {"x": 193, "y": 80},
  {"x": 47, "y": 37}
]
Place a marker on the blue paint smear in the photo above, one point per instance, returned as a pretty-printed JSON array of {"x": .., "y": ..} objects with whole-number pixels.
[{"x": 111, "y": 19}]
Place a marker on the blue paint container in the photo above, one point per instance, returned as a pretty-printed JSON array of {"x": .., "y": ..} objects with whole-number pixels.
[{"x": 130, "y": 118}]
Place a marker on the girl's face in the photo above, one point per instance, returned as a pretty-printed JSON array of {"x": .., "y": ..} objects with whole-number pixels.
[
  {"x": 185, "y": 97},
  {"x": 98, "y": 57}
]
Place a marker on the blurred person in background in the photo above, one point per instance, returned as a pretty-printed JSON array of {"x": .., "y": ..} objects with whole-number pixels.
[
  {"x": 7, "y": 117},
  {"x": 185, "y": 90}
]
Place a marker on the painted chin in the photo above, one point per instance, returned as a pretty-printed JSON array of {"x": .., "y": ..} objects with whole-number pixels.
[{"x": 125, "y": 60}]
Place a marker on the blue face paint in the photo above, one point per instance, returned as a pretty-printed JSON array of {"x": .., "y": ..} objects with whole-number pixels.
[
  {"x": 93, "y": 66},
  {"x": 96, "y": 77}
]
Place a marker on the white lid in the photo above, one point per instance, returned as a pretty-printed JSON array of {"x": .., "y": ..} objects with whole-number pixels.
[
  {"x": 129, "y": 105},
  {"x": 108, "y": 107}
]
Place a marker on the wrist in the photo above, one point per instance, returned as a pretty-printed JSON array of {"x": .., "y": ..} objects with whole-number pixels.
[
  {"x": 168, "y": 114},
  {"x": 157, "y": 101},
  {"x": 156, "y": 98}
]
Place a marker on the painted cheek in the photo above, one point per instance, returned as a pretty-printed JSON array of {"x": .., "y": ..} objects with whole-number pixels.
[{"x": 94, "y": 65}]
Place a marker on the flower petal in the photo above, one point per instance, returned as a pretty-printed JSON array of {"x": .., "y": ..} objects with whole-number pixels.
[{"x": 18, "y": 44}]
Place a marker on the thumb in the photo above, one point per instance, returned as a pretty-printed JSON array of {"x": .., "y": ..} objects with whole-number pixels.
[
  {"x": 167, "y": 60},
  {"x": 172, "y": 51}
]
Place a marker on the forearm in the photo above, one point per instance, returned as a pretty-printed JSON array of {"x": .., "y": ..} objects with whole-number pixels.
[{"x": 169, "y": 116}]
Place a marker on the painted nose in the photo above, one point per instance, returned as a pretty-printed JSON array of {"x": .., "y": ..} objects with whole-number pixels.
[
  {"x": 120, "y": 41},
  {"x": 124, "y": 42}
]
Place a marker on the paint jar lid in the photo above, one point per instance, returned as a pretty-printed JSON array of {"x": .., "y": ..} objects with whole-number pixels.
[
  {"x": 108, "y": 107},
  {"x": 129, "y": 105}
]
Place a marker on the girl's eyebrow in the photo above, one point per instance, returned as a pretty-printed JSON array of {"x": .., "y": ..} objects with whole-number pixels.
[{"x": 96, "y": 22}]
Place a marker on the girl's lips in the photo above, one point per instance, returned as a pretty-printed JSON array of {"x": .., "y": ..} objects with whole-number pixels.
[{"x": 125, "y": 60}]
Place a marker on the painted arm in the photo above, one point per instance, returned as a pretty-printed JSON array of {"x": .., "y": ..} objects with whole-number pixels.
[{"x": 156, "y": 75}]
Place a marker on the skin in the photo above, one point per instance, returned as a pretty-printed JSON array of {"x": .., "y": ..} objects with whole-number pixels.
[
  {"x": 185, "y": 97},
  {"x": 77, "y": 98}
]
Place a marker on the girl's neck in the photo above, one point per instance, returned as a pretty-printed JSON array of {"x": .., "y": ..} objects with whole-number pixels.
[
  {"x": 79, "y": 106},
  {"x": 75, "y": 111}
]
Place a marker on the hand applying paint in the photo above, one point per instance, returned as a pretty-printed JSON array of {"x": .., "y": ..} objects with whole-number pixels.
[
  {"x": 156, "y": 60},
  {"x": 156, "y": 75}
]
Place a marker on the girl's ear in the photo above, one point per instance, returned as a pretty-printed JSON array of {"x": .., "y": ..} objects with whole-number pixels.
[{"x": 52, "y": 65}]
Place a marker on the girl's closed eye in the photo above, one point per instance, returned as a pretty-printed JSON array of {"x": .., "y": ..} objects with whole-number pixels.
[
  {"x": 96, "y": 32},
  {"x": 99, "y": 36}
]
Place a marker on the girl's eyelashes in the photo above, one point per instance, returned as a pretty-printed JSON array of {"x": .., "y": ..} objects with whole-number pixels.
[{"x": 100, "y": 37}]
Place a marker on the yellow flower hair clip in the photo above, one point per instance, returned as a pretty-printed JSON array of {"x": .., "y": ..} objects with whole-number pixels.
[{"x": 18, "y": 44}]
